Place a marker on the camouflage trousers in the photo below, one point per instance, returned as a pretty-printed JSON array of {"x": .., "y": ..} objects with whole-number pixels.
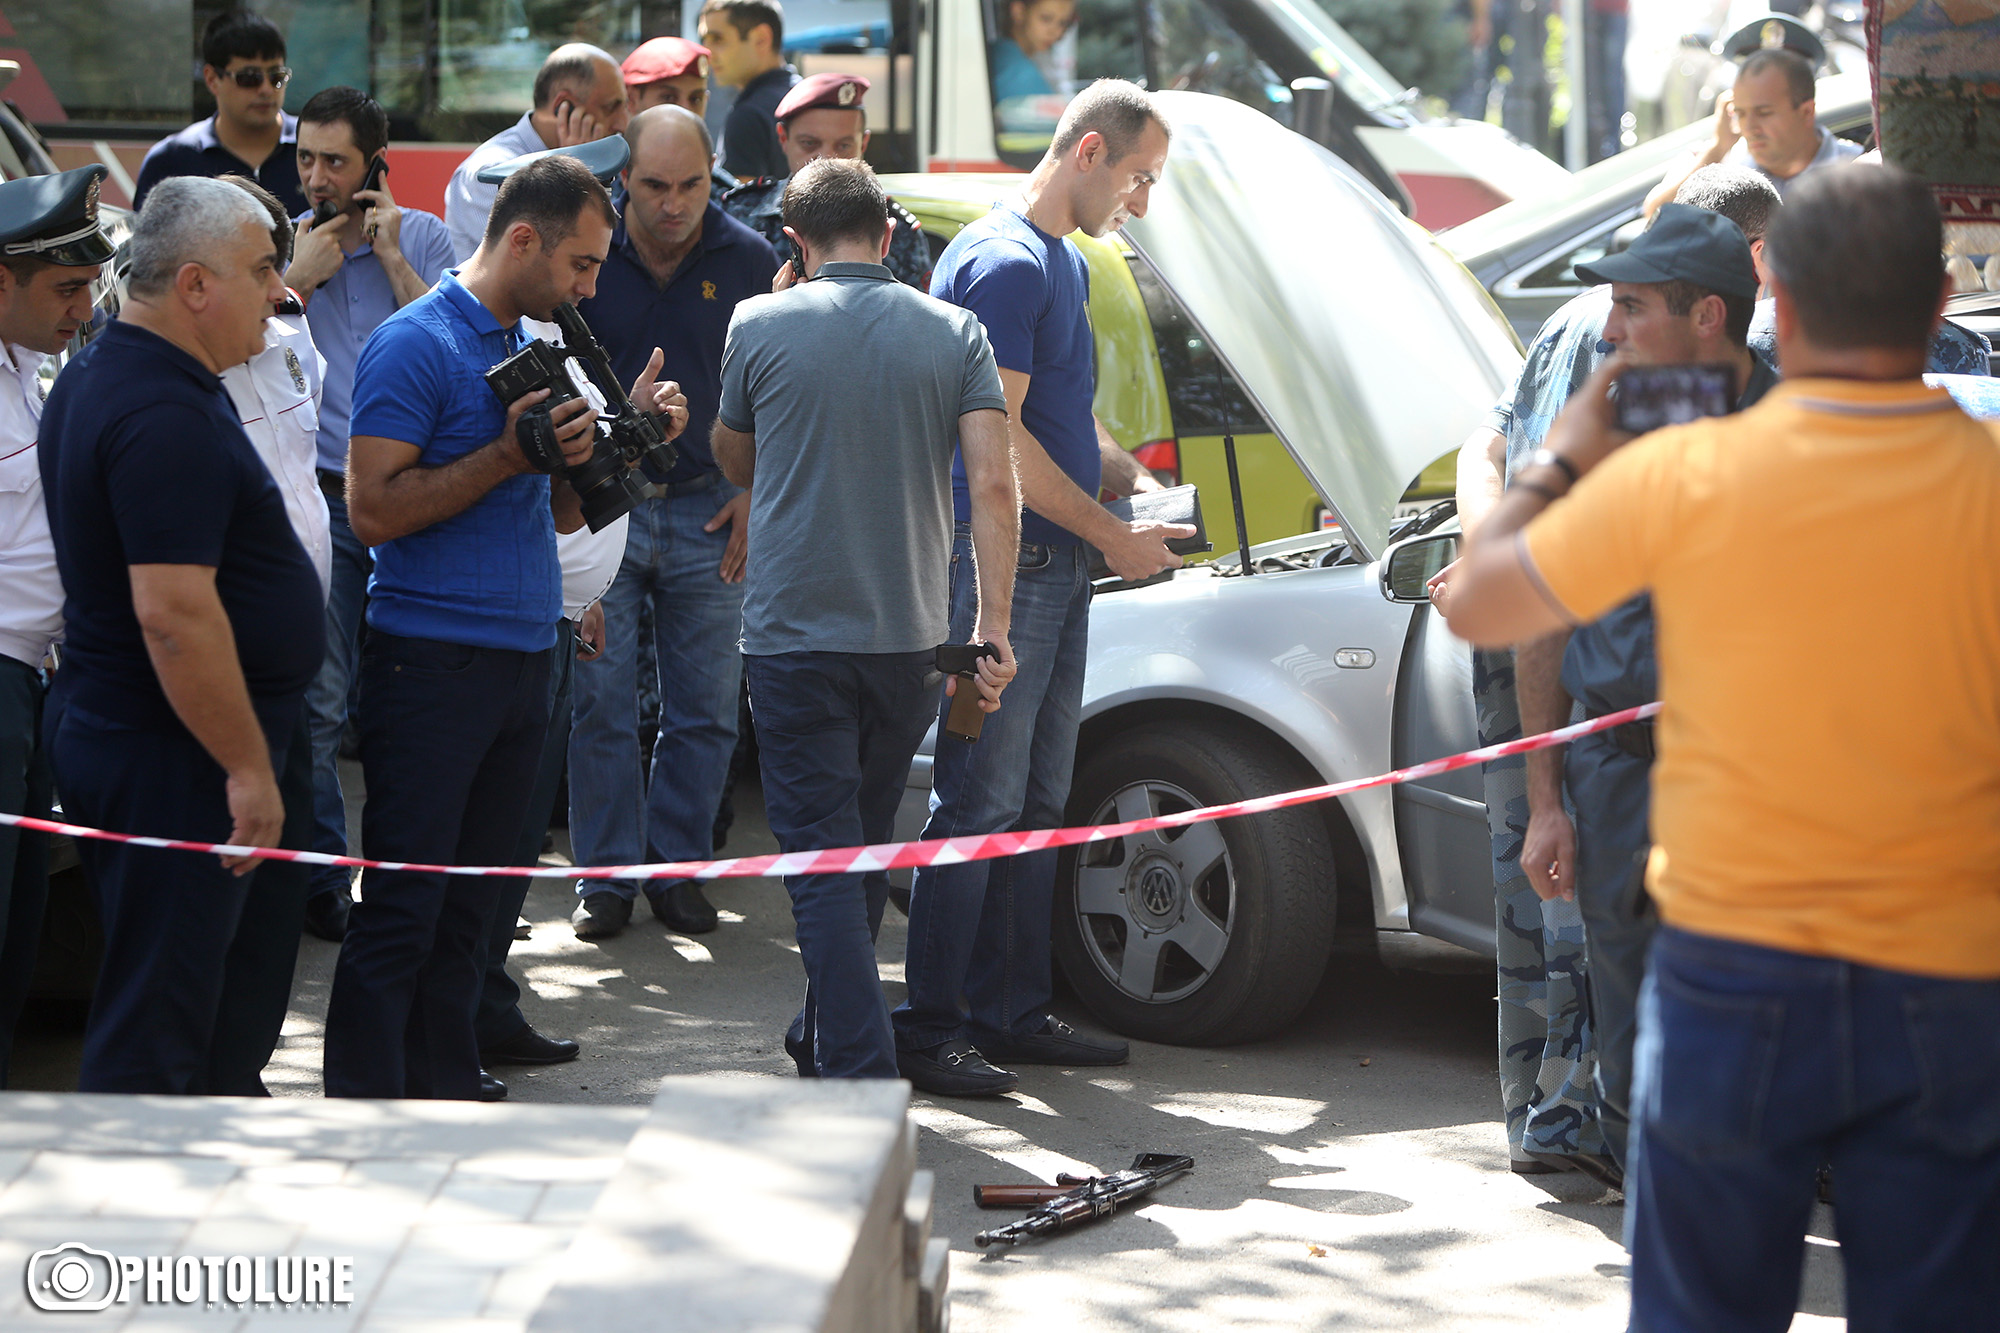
[{"x": 1546, "y": 1061}]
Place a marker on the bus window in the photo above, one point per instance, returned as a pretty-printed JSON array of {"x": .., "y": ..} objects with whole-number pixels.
[
  {"x": 870, "y": 40},
  {"x": 1184, "y": 44}
]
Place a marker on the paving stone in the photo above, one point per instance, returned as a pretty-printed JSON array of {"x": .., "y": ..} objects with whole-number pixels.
[
  {"x": 470, "y": 1200},
  {"x": 430, "y": 1289},
  {"x": 568, "y": 1204},
  {"x": 73, "y": 1184}
]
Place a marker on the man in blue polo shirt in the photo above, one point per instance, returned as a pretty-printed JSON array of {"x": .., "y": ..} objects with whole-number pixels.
[
  {"x": 462, "y": 611},
  {"x": 194, "y": 622},
  {"x": 243, "y": 64},
  {"x": 979, "y": 933},
  {"x": 360, "y": 266},
  {"x": 677, "y": 268}
]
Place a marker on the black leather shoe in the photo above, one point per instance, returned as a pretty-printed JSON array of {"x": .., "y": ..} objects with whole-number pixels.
[
  {"x": 802, "y": 1056},
  {"x": 1600, "y": 1167},
  {"x": 955, "y": 1069},
  {"x": 1056, "y": 1044},
  {"x": 684, "y": 908},
  {"x": 529, "y": 1047},
  {"x": 601, "y": 916},
  {"x": 491, "y": 1089},
  {"x": 326, "y": 915}
]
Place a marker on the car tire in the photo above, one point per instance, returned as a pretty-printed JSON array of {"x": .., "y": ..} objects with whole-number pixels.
[{"x": 1236, "y": 916}]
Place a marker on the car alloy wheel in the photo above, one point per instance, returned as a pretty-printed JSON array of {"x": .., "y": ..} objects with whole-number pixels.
[{"x": 1155, "y": 908}]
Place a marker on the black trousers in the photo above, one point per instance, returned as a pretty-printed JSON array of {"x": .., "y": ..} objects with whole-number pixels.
[
  {"x": 450, "y": 739},
  {"x": 174, "y": 922},
  {"x": 24, "y": 856}
]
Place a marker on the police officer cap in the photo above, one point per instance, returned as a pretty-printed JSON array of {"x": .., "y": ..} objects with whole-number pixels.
[
  {"x": 54, "y": 218},
  {"x": 1684, "y": 244},
  {"x": 605, "y": 157},
  {"x": 842, "y": 92},
  {"x": 1771, "y": 33},
  {"x": 664, "y": 58}
]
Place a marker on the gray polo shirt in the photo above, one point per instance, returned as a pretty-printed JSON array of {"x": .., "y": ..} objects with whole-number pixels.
[{"x": 853, "y": 384}]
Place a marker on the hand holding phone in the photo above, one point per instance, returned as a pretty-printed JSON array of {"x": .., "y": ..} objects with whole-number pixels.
[{"x": 1650, "y": 397}]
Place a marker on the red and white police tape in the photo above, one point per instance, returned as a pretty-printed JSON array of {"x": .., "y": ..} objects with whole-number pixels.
[{"x": 889, "y": 855}]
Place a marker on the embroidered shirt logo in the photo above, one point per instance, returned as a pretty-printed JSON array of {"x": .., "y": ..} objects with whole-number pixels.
[{"x": 708, "y": 291}]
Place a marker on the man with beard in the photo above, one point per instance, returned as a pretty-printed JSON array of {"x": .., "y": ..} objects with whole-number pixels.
[{"x": 462, "y": 612}]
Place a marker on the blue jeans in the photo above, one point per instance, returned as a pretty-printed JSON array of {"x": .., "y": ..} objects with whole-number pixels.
[
  {"x": 327, "y": 696},
  {"x": 1612, "y": 794},
  {"x": 616, "y": 816},
  {"x": 1753, "y": 1067},
  {"x": 450, "y": 738},
  {"x": 835, "y": 736},
  {"x": 981, "y": 930}
]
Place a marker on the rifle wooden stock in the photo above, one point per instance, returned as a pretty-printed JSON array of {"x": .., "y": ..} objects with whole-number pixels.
[{"x": 1016, "y": 1196}]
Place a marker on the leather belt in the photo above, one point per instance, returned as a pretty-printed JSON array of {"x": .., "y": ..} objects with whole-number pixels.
[{"x": 692, "y": 486}]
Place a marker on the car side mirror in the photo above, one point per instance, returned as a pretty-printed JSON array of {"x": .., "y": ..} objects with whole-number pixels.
[{"x": 1408, "y": 566}]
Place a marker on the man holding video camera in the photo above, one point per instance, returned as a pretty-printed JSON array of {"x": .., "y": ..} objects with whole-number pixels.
[{"x": 446, "y": 482}]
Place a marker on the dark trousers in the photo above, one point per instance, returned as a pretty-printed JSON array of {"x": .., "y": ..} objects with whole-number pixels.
[
  {"x": 499, "y": 1017},
  {"x": 265, "y": 952},
  {"x": 1612, "y": 795},
  {"x": 24, "y": 856},
  {"x": 835, "y": 736},
  {"x": 450, "y": 737},
  {"x": 171, "y": 919}
]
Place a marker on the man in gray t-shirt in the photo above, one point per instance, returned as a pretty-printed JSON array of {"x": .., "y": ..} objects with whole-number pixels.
[{"x": 843, "y": 400}]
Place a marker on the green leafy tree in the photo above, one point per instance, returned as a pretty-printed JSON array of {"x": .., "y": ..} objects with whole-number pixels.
[{"x": 1421, "y": 42}]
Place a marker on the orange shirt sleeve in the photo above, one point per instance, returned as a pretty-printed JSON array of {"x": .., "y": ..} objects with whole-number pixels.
[{"x": 1602, "y": 542}]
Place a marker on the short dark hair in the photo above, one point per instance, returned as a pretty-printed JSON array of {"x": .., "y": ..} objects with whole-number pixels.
[
  {"x": 567, "y": 67},
  {"x": 1745, "y": 197},
  {"x": 1860, "y": 251},
  {"x": 746, "y": 15},
  {"x": 1798, "y": 71},
  {"x": 362, "y": 114},
  {"x": 1680, "y": 296},
  {"x": 835, "y": 199},
  {"x": 1116, "y": 110},
  {"x": 281, "y": 225},
  {"x": 549, "y": 194},
  {"x": 239, "y": 33},
  {"x": 24, "y": 267}
]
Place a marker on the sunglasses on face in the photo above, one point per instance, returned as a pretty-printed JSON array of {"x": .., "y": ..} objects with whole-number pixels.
[{"x": 253, "y": 76}]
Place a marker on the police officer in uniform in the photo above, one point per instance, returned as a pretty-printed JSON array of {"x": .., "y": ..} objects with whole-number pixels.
[
  {"x": 50, "y": 252},
  {"x": 822, "y": 116}
]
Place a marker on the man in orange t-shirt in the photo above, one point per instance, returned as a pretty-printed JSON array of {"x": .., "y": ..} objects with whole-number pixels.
[{"x": 1825, "y": 572}]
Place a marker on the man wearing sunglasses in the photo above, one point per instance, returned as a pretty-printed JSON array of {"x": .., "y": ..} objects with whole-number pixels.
[{"x": 243, "y": 63}]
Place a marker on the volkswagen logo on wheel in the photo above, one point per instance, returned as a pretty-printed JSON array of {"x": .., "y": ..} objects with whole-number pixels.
[{"x": 1156, "y": 890}]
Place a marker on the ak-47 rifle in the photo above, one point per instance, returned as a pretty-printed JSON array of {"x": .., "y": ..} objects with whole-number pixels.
[{"x": 1074, "y": 1200}]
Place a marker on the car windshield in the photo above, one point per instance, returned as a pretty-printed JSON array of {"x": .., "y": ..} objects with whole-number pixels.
[{"x": 1337, "y": 54}]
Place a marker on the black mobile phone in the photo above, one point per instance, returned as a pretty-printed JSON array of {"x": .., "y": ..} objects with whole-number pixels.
[
  {"x": 324, "y": 210},
  {"x": 798, "y": 261},
  {"x": 1649, "y": 397}
]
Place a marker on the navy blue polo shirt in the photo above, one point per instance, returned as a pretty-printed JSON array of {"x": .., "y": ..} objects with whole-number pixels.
[
  {"x": 688, "y": 319},
  {"x": 195, "y": 151},
  {"x": 486, "y": 576},
  {"x": 144, "y": 463},
  {"x": 1032, "y": 292},
  {"x": 750, "y": 147}
]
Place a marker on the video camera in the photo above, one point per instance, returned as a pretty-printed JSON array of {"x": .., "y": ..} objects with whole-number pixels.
[{"x": 625, "y": 435}]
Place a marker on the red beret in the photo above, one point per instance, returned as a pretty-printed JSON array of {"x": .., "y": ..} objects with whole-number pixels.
[
  {"x": 842, "y": 92},
  {"x": 664, "y": 58}
]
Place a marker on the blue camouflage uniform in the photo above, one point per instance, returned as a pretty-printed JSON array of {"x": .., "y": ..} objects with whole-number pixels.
[
  {"x": 759, "y": 204},
  {"x": 1955, "y": 350},
  {"x": 1547, "y": 1060}
]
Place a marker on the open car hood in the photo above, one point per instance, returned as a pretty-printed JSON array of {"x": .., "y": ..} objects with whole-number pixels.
[{"x": 1368, "y": 348}]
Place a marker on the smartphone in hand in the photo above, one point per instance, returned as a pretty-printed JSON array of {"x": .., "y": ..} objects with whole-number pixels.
[{"x": 1650, "y": 397}]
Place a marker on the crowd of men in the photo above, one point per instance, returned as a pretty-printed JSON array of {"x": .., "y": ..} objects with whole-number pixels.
[
  {"x": 353, "y": 533},
  {"x": 1739, "y": 950}
]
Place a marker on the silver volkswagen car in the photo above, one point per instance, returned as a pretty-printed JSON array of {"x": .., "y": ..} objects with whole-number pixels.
[{"x": 1370, "y": 351}]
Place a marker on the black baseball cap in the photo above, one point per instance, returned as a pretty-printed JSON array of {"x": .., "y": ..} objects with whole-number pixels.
[{"x": 1684, "y": 244}]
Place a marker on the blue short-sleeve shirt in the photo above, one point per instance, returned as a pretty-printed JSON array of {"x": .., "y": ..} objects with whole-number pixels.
[
  {"x": 144, "y": 463},
  {"x": 487, "y": 576},
  {"x": 687, "y": 319},
  {"x": 196, "y": 151},
  {"x": 352, "y": 304},
  {"x": 1032, "y": 292}
]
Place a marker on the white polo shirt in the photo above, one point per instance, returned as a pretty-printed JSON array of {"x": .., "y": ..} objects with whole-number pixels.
[
  {"x": 31, "y": 607},
  {"x": 277, "y": 396}
]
